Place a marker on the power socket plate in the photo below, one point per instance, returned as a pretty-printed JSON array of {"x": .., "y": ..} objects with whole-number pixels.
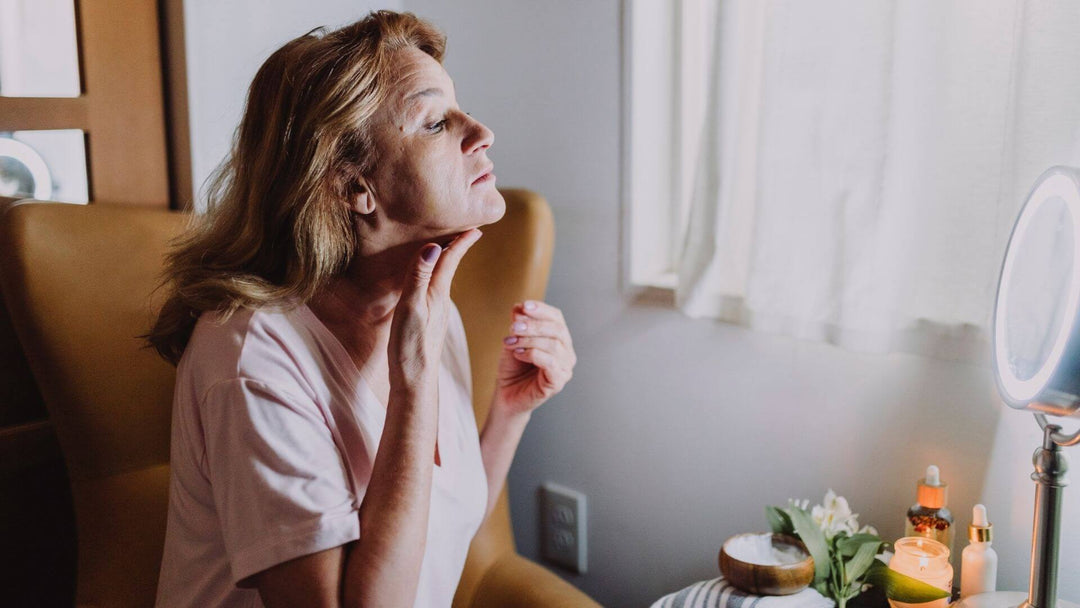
[{"x": 563, "y": 529}]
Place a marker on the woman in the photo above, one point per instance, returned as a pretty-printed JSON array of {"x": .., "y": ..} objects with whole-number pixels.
[{"x": 324, "y": 450}]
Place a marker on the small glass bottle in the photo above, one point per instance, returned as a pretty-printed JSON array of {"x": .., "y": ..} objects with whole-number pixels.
[
  {"x": 979, "y": 560},
  {"x": 929, "y": 517}
]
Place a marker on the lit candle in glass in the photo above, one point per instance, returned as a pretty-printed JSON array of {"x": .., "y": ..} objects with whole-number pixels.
[{"x": 924, "y": 559}]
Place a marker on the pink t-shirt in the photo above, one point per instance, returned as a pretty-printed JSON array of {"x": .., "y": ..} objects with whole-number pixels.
[{"x": 274, "y": 433}]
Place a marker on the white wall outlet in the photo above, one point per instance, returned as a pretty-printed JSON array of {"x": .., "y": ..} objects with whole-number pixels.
[{"x": 562, "y": 515}]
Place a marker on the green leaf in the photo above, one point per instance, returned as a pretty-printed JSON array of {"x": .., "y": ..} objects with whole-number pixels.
[
  {"x": 779, "y": 520},
  {"x": 849, "y": 545},
  {"x": 814, "y": 539},
  {"x": 901, "y": 587},
  {"x": 864, "y": 557}
]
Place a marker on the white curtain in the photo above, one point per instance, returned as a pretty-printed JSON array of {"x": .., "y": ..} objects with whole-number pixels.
[{"x": 862, "y": 162}]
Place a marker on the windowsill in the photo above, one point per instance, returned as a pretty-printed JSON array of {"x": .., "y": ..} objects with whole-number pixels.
[
  {"x": 658, "y": 290},
  {"x": 663, "y": 281}
]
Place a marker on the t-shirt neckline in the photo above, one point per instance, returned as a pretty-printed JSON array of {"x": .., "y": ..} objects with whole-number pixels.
[{"x": 343, "y": 356}]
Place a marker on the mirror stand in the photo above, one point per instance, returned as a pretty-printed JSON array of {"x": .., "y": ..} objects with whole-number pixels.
[{"x": 1049, "y": 477}]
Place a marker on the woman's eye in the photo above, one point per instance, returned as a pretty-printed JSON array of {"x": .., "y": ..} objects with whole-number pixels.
[{"x": 436, "y": 127}]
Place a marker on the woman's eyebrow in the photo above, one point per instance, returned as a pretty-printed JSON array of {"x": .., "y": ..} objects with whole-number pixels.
[
  {"x": 409, "y": 102},
  {"x": 428, "y": 92}
]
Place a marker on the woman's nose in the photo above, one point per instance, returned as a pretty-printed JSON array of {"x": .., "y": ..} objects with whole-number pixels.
[{"x": 478, "y": 138}]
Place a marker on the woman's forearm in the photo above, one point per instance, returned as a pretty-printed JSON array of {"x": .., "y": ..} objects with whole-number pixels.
[
  {"x": 498, "y": 443},
  {"x": 383, "y": 567}
]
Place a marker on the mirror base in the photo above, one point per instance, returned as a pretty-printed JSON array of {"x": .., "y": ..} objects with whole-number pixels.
[{"x": 1004, "y": 599}]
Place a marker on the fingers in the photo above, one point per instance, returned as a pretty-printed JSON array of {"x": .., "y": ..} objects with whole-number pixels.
[
  {"x": 539, "y": 310},
  {"x": 553, "y": 375},
  {"x": 552, "y": 345},
  {"x": 540, "y": 326},
  {"x": 451, "y": 257},
  {"x": 565, "y": 357},
  {"x": 421, "y": 271},
  {"x": 525, "y": 326}
]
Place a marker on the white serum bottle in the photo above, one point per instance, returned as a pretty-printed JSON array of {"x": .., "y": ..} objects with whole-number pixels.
[{"x": 978, "y": 570}]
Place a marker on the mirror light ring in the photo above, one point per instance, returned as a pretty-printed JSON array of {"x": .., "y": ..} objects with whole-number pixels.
[
  {"x": 1057, "y": 182},
  {"x": 13, "y": 148}
]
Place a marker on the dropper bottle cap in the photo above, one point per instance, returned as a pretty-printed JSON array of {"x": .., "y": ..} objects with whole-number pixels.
[
  {"x": 980, "y": 530},
  {"x": 932, "y": 492}
]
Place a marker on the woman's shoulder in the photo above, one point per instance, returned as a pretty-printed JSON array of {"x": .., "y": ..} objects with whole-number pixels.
[{"x": 269, "y": 342}]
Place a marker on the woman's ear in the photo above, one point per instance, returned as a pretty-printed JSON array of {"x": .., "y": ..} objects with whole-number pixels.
[{"x": 363, "y": 199}]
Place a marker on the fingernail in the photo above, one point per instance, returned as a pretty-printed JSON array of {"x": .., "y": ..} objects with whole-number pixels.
[
  {"x": 510, "y": 340},
  {"x": 519, "y": 326},
  {"x": 431, "y": 252},
  {"x": 519, "y": 350},
  {"x": 530, "y": 305}
]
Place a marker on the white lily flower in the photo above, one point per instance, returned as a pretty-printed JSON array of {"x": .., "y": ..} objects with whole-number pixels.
[
  {"x": 835, "y": 519},
  {"x": 834, "y": 516}
]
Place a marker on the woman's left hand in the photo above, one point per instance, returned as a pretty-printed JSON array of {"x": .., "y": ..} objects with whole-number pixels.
[{"x": 537, "y": 360}]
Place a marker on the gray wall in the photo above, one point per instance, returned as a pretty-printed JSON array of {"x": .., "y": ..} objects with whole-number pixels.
[{"x": 678, "y": 430}]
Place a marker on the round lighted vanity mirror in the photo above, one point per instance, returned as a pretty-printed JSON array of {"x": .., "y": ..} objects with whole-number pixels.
[{"x": 1036, "y": 335}]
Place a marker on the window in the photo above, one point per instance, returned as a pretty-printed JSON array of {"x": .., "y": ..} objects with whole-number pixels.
[
  {"x": 836, "y": 171},
  {"x": 665, "y": 73}
]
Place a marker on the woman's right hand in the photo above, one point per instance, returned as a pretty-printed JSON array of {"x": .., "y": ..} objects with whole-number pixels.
[{"x": 418, "y": 328}]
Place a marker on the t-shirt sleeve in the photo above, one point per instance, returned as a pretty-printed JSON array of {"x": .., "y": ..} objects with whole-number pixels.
[{"x": 279, "y": 482}]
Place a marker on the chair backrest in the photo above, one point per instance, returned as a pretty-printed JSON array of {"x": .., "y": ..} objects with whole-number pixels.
[
  {"x": 78, "y": 281},
  {"x": 510, "y": 263}
]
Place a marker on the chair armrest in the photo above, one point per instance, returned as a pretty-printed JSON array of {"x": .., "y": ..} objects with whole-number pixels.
[
  {"x": 516, "y": 581},
  {"x": 28, "y": 446}
]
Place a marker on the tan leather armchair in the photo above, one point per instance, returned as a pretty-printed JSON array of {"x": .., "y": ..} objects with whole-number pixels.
[{"x": 78, "y": 282}]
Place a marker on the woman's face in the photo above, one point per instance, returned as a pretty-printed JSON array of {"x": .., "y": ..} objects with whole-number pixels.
[{"x": 433, "y": 177}]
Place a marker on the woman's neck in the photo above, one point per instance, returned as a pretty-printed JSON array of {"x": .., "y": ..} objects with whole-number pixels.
[{"x": 358, "y": 305}]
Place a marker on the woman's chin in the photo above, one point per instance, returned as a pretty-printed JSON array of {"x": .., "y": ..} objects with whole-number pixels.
[
  {"x": 486, "y": 211},
  {"x": 493, "y": 208}
]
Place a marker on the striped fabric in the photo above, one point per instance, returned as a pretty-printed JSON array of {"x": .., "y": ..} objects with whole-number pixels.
[{"x": 718, "y": 593}]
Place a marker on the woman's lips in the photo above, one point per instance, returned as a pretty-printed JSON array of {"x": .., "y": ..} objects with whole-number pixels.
[{"x": 487, "y": 177}]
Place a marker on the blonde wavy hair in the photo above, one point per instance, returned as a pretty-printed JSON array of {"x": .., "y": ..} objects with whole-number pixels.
[{"x": 277, "y": 226}]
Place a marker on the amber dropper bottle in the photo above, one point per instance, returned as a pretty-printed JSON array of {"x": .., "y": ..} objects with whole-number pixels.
[{"x": 929, "y": 516}]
